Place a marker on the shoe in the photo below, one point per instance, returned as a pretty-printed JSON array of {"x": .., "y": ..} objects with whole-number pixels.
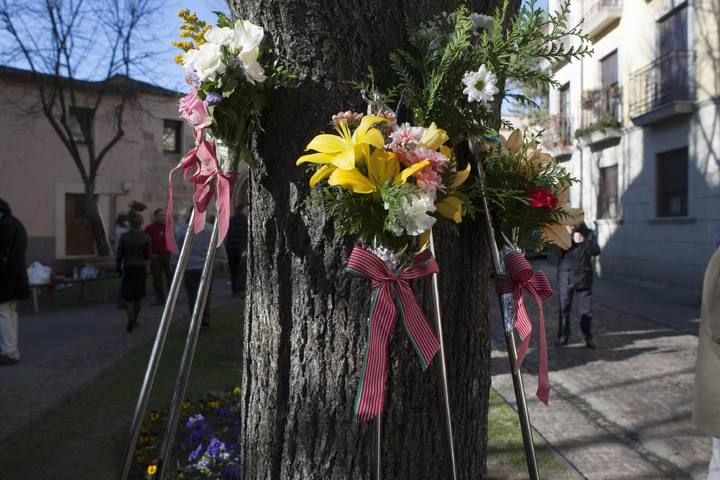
[
  {"x": 590, "y": 343},
  {"x": 561, "y": 341},
  {"x": 7, "y": 361}
]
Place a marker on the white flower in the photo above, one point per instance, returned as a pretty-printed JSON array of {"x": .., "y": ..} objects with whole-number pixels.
[
  {"x": 481, "y": 22},
  {"x": 414, "y": 215},
  {"x": 480, "y": 85},
  {"x": 253, "y": 70},
  {"x": 219, "y": 35},
  {"x": 247, "y": 37},
  {"x": 246, "y": 42},
  {"x": 207, "y": 61}
]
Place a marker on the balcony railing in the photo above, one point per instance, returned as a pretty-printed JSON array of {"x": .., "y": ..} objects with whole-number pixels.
[
  {"x": 557, "y": 135},
  {"x": 667, "y": 80},
  {"x": 601, "y": 109}
]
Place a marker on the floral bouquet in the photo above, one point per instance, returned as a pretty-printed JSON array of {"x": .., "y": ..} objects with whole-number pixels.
[
  {"x": 229, "y": 88},
  {"x": 530, "y": 192},
  {"x": 229, "y": 85},
  {"x": 387, "y": 184}
]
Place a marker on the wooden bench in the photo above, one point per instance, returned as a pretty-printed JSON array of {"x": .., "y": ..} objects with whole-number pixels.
[{"x": 64, "y": 273}]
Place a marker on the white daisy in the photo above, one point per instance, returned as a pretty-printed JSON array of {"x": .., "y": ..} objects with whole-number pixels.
[{"x": 480, "y": 86}]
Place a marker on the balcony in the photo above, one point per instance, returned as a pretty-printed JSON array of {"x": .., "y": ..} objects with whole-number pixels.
[
  {"x": 602, "y": 115},
  {"x": 557, "y": 138},
  {"x": 664, "y": 89},
  {"x": 600, "y": 15}
]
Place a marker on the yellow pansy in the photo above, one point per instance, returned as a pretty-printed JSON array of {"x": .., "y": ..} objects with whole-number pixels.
[
  {"x": 434, "y": 137},
  {"x": 344, "y": 149},
  {"x": 382, "y": 167},
  {"x": 151, "y": 469}
]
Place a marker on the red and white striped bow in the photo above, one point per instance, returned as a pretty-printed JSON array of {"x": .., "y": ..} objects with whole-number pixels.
[
  {"x": 387, "y": 288},
  {"x": 520, "y": 275}
]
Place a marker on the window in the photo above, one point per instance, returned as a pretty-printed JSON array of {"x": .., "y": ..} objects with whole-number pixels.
[
  {"x": 672, "y": 183},
  {"x": 608, "y": 192},
  {"x": 80, "y": 121},
  {"x": 565, "y": 135},
  {"x": 674, "y": 71},
  {"x": 172, "y": 130},
  {"x": 609, "y": 70},
  {"x": 79, "y": 239}
]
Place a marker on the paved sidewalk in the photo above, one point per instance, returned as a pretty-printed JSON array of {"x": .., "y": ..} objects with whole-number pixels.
[
  {"x": 64, "y": 349},
  {"x": 621, "y": 411}
]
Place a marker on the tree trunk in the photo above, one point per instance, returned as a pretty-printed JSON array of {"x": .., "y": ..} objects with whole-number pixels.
[
  {"x": 92, "y": 214},
  {"x": 306, "y": 321}
]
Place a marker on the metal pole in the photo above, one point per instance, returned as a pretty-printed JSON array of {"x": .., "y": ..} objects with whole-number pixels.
[
  {"x": 520, "y": 399},
  {"x": 188, "y": 353},
  {"x": 443, "y": 365},
  {"x": 160, "y": 337},
  {"x": 377, "y": 444}
]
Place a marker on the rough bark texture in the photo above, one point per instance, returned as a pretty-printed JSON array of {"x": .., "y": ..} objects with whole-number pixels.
[{"x": 306, "y": 321}]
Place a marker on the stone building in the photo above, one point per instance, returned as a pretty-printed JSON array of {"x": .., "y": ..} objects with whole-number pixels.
[{"x": 638, "y": 123}]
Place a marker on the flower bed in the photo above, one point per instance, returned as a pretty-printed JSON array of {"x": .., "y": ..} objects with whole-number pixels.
[{"x": 207, "y": 442}]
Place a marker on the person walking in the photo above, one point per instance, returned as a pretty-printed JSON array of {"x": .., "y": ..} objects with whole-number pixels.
[
  {"x": 236, "y": 248},
  {"x": 195, "y": 263},
  {"x": 133, "y": 253},
  {"x": 575, "y": 277},
  {"x": 706, "y": 408},
  {"x": 160, "y": 260},
  {"x": 13, "y": 282}
]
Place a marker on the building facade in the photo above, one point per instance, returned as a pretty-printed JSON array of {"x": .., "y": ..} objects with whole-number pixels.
[
  {"x": 638, "y": 124},
  {"x": 40, "y": 181}
]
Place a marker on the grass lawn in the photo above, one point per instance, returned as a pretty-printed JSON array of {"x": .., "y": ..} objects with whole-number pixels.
[
  {"x": 84, "y": 436},
  {"x": 506, "y": 456}
]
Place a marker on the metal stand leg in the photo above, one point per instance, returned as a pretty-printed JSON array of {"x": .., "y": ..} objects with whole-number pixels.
[
  {"x": 499, "y": 267},
  {"x": 443, "y": 366},
  {"x": 527, "y": 435},
  {"x": 188, "y": 353},
  {"x": 158, "y": 346},
  {"x": 377, "y": 448}
]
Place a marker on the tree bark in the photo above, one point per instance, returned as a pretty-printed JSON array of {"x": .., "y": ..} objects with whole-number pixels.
[
  {"x": 90, "y": 208},
  {"x": 306, "y": 321}
]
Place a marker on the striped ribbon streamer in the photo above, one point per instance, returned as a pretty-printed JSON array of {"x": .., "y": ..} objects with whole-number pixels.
[
  {"x": 520, "y": 276},
  {"x": 200, "y": 166},
  {"x": 391, "y": 294}
]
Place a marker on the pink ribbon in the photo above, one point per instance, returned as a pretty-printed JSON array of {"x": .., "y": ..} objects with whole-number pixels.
[
  {"x": 200, "y": 166},
  {"x": 520, "y": 275},
  {"x": 390, "y": 292}
]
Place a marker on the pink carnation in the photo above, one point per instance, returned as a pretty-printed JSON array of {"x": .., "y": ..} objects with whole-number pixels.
[
  {"x": 429, "y": 178},
  {"x": 405, "y": 136},
  {"x": 194, "y": 111},
  {"x": 353, "y": 118}
]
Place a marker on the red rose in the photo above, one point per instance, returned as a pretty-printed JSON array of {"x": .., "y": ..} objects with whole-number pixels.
[{"x": 542, "y": 198}]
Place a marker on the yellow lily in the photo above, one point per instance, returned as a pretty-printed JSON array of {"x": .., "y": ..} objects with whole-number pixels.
[
  {"x": 345, "y": 149},
  {"x": 382, "y": 166},
  {"x": 434, "y": 137},
  {"x": 558, "y": 233},
  {"x": 460, "y": 177},
  {"x": 513, "y": 143},
  {"x": 451, "y": 207}
]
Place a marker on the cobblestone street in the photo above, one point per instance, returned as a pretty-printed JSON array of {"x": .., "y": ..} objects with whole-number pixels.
[{"x": 621, "y": 411}]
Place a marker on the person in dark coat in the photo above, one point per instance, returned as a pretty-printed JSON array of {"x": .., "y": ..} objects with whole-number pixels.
[
  {"x": 133, "y": 255},
  {"x": 236, "y": 248},
  {"x": 14, "y": 284},
  {"x": 575, "y": 277}
]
